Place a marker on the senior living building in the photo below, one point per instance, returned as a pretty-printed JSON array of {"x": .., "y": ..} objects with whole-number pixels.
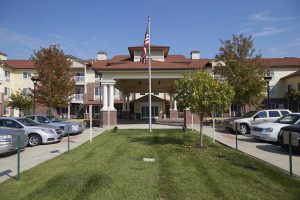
[{"x": 118, "y": 86}]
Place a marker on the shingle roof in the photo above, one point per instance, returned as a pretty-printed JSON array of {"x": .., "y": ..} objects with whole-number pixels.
[
  {"x": 19, "y": 64},
  {"x": 279, "y": 62}
]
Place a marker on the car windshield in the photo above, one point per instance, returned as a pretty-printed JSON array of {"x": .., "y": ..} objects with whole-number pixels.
[
  {"x": 288, "y": 119},
  {"x": 53, "y": 119},
  {"x": 249, "y": 114},
  {"x": 27, "y": 122}
]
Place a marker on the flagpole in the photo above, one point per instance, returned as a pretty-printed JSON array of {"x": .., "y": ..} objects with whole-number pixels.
[{"x": 149, "y": 66}]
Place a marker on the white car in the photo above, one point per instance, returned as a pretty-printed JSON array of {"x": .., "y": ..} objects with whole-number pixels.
[{"x": 269, "y": 131}]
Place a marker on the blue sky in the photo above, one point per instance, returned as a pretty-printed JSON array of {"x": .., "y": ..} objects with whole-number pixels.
[{"x": 83, "y": 28}]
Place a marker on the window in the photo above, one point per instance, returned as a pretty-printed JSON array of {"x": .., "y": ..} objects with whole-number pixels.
[
  {"x": 156, "y": 93},
  {"x": 7, "y": 75},
  {"x": 97, "y": 91},
  {"x": 270, "y": 72},
  {"x": 7, "y": 91},
  {"x": 262, "y": 114},
  {"x": 289, "y": 88},
  {"x": 274, "y": 113},
  {"x": 97, "y": 77},
  {"x": 42, "y": 120},
  {"x": 6, "y": 110},
  {"x": 284, "y": 112},
  {"x": 26, "y": 91},
  {"x": 26, "y": 75},
  {"x": 142, "y": 93}
]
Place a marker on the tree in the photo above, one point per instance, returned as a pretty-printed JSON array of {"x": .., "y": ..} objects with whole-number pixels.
[
  {"x": 293, "y": 97},
  {"x": 243, "y": 70},
  {"x": 20, "y": 101},
  {"x": 201, "y": 92},
  {"x": 55, "y": 80}
]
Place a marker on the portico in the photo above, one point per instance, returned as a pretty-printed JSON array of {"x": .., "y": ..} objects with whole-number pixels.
[{"x": 130, "y": 77}]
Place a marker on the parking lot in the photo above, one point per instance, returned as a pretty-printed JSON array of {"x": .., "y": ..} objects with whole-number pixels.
[{"x": 267, "y": 151}]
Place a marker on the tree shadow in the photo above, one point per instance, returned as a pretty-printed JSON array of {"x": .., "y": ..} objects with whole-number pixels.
[
  {"x": 275, "y": 149},
  {"x": 161, "y": 140}
]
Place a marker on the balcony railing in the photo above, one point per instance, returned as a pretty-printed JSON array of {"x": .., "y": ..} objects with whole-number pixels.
[
  {"x": 79, "y": 79},
  {"x": 78, "y": 97}
]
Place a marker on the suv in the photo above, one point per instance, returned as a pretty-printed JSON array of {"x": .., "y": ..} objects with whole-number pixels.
[
  {"x": 37, "y": 133},
  {"x": 51, "y": 120},
  {"x": 254, "y": 117}
]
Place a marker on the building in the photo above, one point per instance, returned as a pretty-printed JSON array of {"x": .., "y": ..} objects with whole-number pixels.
[{"x": 118, "y": 87}]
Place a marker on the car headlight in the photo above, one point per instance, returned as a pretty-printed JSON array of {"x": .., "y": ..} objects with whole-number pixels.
[
  {"x": 49, "y": 131},
  {"x": 268, "y": 129},
  {"x": 5, "y": 138}
]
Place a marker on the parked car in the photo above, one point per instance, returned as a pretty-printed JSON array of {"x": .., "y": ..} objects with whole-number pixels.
[
  {"x": 37, "y": 133},
  {"x": 291, "y": 128},
  {"x": 254, "y": 117},
  {"x": 50, "y": 119},
  {"x": 269, "y": 131},
  {"x": 9, "y": 139}
]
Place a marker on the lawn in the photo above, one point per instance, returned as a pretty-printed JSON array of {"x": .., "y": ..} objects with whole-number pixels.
[{"x": 112, "y": 167}]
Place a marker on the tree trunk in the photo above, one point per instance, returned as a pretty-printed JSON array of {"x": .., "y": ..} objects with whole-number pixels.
[{"x": 201, "y": 128}]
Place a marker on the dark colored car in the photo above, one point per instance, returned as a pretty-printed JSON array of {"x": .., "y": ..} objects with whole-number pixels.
[{"x": 292, "y": 128}]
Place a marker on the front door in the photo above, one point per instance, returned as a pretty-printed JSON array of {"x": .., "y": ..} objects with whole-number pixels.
[{"x": 145, "y": 111}]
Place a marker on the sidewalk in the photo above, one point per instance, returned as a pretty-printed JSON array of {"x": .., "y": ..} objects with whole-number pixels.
[
  {"x": 268, "y": 152},
  {"x": 33, "y": 156}
]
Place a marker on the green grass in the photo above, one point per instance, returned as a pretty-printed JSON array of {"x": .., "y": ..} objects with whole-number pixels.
[{"x": 111, "y": 167}]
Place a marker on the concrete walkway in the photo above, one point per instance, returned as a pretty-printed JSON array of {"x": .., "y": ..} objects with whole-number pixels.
[
  {"x": 33, "y": 156},
  {"x": 268, "y": 152}
]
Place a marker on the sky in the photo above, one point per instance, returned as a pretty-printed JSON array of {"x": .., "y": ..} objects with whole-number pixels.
[{"x": 84, "y": 27}]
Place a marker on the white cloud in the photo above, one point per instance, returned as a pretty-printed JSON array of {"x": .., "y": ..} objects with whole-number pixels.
[
  {"x": 266, "y": 16},
  {"x": 268, "y": 31},
  {"x": 8, "y": 37}
]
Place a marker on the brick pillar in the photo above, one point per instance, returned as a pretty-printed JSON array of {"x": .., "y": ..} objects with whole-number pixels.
[
  {"x": 188, "y": 118},
  {"x": 173, "y": 114},
  {"x": 112, "y": 118}
]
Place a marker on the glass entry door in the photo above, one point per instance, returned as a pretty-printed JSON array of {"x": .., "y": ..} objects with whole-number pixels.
[{"x": 145, "y": 111}]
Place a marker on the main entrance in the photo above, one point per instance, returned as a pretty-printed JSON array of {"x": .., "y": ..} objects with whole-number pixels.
[{"x": 145, "y": 112}]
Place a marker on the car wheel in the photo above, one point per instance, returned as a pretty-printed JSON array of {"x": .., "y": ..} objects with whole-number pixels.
[
  {"x": 244, "y": 129},
  {"x": 34, "y": 140}
]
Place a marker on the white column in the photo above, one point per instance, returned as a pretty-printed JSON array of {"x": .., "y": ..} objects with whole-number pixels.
[
  {"x": 127, "y": 102},
  {"x": 69, "y": 110},
  {"x": 175, "y": 105},
  {"x": 124, "y": 102},
  {"x": 111, "y": 97},
  {"x": 171, "y": 102},
  {"x": 105, "y": 97}
]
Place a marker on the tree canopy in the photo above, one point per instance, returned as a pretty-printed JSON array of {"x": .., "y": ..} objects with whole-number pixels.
[
  {"x": 243, "y": 70},
  {"x": 20, "y": 101},
  {"x": 203, "y": 93},
  {"x": 55, "y": 80},
  {"x": 293, "y": 98}
]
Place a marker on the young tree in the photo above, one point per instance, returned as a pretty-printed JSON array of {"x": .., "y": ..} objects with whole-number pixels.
[
  {"x": 243, "y": 70},
  {"x": 201, "y": 92},
  {"x": 20, "y": 101},
  {"x": 293, "y": 98},
  {"x": 55, "y": 81}
]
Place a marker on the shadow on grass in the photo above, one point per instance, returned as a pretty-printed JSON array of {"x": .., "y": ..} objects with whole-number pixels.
[{"x": 161, "y": 140}]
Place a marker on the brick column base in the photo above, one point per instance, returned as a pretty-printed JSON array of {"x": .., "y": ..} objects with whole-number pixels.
[
  {"x": 104, "y": 118},
  {"x": 188, "y": 118},
  {"x": 173, "y": 114},
  {"x": 126, "y": 114}
]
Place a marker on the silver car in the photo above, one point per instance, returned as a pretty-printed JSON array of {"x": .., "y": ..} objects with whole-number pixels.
[
  {"x": 9, "y": 139},
  {"x": 50, "y": 119},
  {"x": 37, "y": 133}
]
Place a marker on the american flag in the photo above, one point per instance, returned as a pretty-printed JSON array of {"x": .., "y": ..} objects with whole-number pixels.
[{"x": 146, "y": 45}]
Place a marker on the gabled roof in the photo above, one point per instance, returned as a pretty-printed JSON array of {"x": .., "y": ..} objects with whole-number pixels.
[
  {"x": 78, "y": 59},
  {"x": 297, "y": 73},
  {"x": 280, "y": 62},
  {"x": 153, "y": 99},
  {"x": 19, "y": 64}
]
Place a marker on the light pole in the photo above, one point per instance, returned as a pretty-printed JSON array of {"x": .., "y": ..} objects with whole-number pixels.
[
  {"x": 100, "y": 94},
  {"x": 268, "y": 79},
  {"x": 34, "y": 80}
]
